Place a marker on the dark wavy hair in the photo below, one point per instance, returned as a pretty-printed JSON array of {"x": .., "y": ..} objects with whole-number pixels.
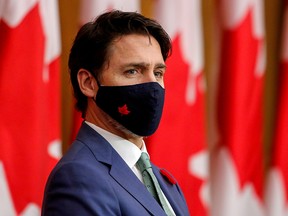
[{"x": 90, "y": 47}]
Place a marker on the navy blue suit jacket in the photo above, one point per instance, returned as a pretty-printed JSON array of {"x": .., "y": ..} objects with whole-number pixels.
[{"x": 92, "y": 179}]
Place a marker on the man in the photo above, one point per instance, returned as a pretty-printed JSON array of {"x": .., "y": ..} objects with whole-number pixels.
[{"x": 117, "y": 66}]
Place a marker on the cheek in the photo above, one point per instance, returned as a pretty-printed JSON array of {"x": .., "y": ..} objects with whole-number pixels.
[
  {"x": 109, "y": 78},
  {"x": 117, "y": 79},
  {"x": 161, "y": 83}
]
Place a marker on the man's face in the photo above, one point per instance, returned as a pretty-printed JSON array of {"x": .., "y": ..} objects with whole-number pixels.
[{"x": 133, "y": 59}]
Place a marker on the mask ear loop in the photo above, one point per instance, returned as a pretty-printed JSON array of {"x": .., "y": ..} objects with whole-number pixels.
[
  {"x": 98, "y": 84},
  {"x": 97, "y": 81}
]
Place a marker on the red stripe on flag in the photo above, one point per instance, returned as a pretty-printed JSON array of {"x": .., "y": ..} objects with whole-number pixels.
[
  {"x": 281, "y": 138},
  {"x": 276, "y": 196}
]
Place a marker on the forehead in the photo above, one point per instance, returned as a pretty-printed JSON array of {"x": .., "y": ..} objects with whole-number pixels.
[
  {"x": 134, "y": 39},
  {"x": 135, "y": 46}
]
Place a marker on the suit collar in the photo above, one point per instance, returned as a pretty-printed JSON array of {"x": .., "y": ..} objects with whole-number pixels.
[
  {"x": 119, "y": 170},
  {"x": 127, "y": 179},
  {"x": 100, "y": 148},
  {"x": 128, "y": 151}
]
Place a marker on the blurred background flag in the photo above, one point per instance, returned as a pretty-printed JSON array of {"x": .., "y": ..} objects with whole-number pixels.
[
  {"x": 89, "y": 10},
  {"x": 277, "y": 180},
  {"x": 182, "y": 130},
  {"x": 237, "y": 164},
  {"x": 30, "y": 102},
  {"x": 225, "y": 179}
]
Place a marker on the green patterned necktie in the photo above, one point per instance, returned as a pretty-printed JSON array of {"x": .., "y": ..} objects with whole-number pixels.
[{"x": 151, "y": 183}]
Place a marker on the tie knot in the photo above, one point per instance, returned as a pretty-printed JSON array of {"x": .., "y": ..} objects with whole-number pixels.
[{"x": 143, "y": 163}]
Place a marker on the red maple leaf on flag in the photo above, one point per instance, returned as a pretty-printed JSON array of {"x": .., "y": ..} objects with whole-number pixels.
[
  {"x": 181, "y": 131},
  {"x": 240, "y": 100},
  {"x": 123, "y": 110},
  {"x": 30, "y": 113},
  {"x": 185, "y": 129}
]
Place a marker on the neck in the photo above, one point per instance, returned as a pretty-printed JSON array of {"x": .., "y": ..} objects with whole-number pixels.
[{"x": 104, "y": 121}]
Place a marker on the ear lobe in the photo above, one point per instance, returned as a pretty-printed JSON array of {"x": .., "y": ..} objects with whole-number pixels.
[{"x": 87, "y": 83}]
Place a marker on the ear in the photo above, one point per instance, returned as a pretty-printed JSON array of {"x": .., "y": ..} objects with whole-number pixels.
[{"x": 87, "y": 83}]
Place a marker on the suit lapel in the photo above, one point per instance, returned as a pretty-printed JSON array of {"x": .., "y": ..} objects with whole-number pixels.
[
  {"x": 119, "y": 170},
  {"x": 127, "y": 179},
  {"x": 172, "y": 193}
]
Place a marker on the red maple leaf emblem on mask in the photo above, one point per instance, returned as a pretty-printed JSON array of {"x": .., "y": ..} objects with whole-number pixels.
[{"x": 123, "y": 110}]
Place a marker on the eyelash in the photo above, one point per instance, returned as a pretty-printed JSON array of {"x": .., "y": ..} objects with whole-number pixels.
[
  {"x": 131, "y": 70},
  {"x": 157, "y": 74}
]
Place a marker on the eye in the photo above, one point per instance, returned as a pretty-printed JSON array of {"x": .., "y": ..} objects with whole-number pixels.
[
  {"x": 159, "y": 74},
  {"x": 131, "y": 72}
]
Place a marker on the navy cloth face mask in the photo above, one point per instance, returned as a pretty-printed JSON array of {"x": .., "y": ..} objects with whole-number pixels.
[{"x": 137, "y": 107}]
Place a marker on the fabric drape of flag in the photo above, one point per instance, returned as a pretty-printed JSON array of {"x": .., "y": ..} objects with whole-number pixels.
[
  {"x": 181, "y": 131},
  {"x": 277, "y": 181},
  {"x": 89, "y": 10},
  {"x": 237, "y": 179},
  {"x": 30, "y": 102}
]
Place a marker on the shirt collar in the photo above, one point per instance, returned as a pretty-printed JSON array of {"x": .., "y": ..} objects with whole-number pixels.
[{"x": 128, "y": 151}]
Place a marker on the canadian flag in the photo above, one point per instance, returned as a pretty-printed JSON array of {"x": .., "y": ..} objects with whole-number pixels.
[
  {"x": 30, "y": 102},
  {"x": 181, "y": 132},
  {"x": 237, "y": 161},
  {"x": 89, "y": 10},
  {"x": 277, "y": 182}
]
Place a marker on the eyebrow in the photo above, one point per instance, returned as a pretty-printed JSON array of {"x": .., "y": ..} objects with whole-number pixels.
[{"x": 145, "y": 65}]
